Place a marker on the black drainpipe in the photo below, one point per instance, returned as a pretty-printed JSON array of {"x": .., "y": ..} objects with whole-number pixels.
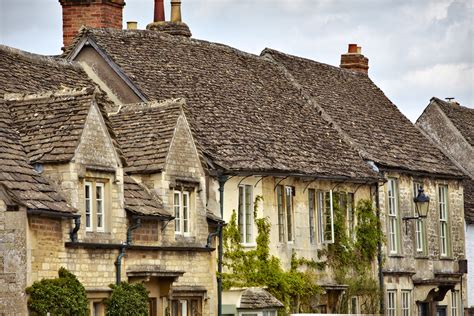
[
  {"x": 73, "y": 232},
  {"x": 379, "y": 251},
  {"x": 118, "y": 262},
  {"x": 222, "y": 179}
]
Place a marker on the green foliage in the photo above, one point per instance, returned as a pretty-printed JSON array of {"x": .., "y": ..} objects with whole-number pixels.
[
  {"x": 351, "y": 260},
  {"x": 127, "y": 299},
  {"x": 64, "y": 295},
  {"x": 257, "y": 267}
]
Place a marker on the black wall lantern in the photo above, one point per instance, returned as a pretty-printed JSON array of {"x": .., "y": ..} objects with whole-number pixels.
[{"x": 422, "y": 205}]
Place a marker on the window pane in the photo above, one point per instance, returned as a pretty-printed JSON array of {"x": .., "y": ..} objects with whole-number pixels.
[
  {"x": 443, "y": 219},
  {"x": 88, "y": 205},
  {"x": 391, "y": 303},
  {"x": 406, "y": 303},
  {"x": 311, "y": 196},
  {"x": 241, "y": 216},
  {"x": 350, "y": 214},
  {"x": 186, "y": 212},
  {"x": 393, "y": 215},
  {"x": 289, "y": 212},
  {"x": 454, "y": 303},
  {"x": 320, "y": 206},
  {"x": 177, "y": 207},
  {"x": 281, "y": 227},
  {"x": 248, "y": 213},
  {"x": 99, "y": 192}
]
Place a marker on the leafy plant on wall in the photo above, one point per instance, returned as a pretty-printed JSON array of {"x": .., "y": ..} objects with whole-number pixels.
[
  {"x": 349, "y": 260},
  {"x": 257, "y": 267}
]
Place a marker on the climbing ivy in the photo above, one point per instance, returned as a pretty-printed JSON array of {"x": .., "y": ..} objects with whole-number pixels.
[
  {"x": 349, "y": 259},
  {"x": 257, "y": 267}
]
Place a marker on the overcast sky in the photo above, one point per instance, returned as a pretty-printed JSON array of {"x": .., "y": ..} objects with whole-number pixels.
[{"x": 417, "y": 49}]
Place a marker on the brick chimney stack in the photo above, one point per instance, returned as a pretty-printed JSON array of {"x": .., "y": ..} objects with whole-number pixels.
[
  {"x": 93, "y": 13},
  {"x": 354, "y": 60}
]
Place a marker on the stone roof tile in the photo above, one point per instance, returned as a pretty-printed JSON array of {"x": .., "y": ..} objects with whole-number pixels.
[
  {"x": 462, "y": 118},
  {"x": 363, "y": 113},
  {"x": 258, "y": 298},
  {"x": 20, "y": 179},
  {"x": 244, "y": 114},
  {"x": 141, "y": 201}
]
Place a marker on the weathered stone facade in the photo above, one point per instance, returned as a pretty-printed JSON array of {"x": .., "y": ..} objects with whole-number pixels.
[{"x": 420, "y": 273}]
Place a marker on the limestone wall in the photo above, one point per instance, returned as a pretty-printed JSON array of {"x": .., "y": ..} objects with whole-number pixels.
[{"x": 13, "y": 261}]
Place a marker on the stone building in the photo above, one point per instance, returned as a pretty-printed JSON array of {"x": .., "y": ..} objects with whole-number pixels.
[
  {"x": 195, "y": 126},
  {"x": 275, "y": 123},
  {"x": 66, "y": 200},
  {"x": 450, "y": 126}
]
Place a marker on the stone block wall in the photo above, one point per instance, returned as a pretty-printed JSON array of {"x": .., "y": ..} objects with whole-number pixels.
[{"x": 13, "y": 261}]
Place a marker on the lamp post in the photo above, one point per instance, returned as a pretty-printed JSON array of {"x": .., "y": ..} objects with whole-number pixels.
[{"x": 422, "y": 206}]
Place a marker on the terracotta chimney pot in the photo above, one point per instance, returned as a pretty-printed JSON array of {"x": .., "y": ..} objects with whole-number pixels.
[{"x": 175, "y": 10}]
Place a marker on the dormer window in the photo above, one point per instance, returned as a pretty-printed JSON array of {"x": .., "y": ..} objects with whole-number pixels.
[{"x": 95, "y": 199}]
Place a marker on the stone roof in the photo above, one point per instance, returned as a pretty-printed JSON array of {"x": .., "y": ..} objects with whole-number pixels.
[
  {"x": 23, "y": 72},
  {"x": 145, "y": 131},
  {"x": 244, "y": 113},
  {"x": 258, "y": 298},
  {"x": 51, "y": 123},
  {"x": 362, "y": 112},
  {"x": 462, "y": 118},
  {"x": 141, "y": 201},
  {"x": 469, "y": 200},
  {"x": 22, "y": 181}
]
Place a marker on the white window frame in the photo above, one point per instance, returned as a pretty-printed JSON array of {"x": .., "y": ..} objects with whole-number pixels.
[
  {"x": 312, "y": 215},
  {"x": 443, "y": 220},
  {"x": 100, "y": 211},
  {"x": 290, "y": 217},
  {"x": 323, "y": 217},
  {"x": 455, "y": 303},
  {"x": 354, "y": 305},
  {"x": 280, "y": 200},
  {"x": 391, "y": 302},
  {"x": 88, "y": 205},
  {"x": 393, "y": 217},
  {"x": 245, "y": 216},
  {"x": 90, "y": 187},
  {"x": 182, "y": 212},
  {"x": 406, "y": 303}
]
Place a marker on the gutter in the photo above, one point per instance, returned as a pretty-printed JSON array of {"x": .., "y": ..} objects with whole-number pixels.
[{"x": 52, "y": 214}]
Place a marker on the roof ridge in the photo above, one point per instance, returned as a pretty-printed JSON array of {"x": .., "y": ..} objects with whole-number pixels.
[
  {"x": 269, "y": 51},
  {"x": 149, "y": 105},
  {"x": 64, "y": 92},
  {"x": 56, "y": 59}
]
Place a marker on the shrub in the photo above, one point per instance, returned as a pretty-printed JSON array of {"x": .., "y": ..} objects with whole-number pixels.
[
  {"x": 127, "y": 299},
  {"x": 64, "y": 295}
]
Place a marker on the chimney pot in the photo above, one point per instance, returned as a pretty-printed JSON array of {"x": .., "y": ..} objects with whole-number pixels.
[
  {"x": 175, "y": 11},
  {"x": 132, "y": 25},
  {"x": 359, "y": 50},
  {"x": 159, "y": 15},
  {"x": 352, "y": 49}
]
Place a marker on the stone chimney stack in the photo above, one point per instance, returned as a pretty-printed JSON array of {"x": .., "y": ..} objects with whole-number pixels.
[
  {"x": 354, "y": 60},
  {"x": 93, "y": 13}
]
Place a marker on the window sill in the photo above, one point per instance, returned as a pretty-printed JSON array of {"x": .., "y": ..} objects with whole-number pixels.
[
  {"x": 421, "y": 256},
  {"x": 248, "y": 245},
  {"x": 447, "y": 258},
  {"x": 396, "y": 255}
]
